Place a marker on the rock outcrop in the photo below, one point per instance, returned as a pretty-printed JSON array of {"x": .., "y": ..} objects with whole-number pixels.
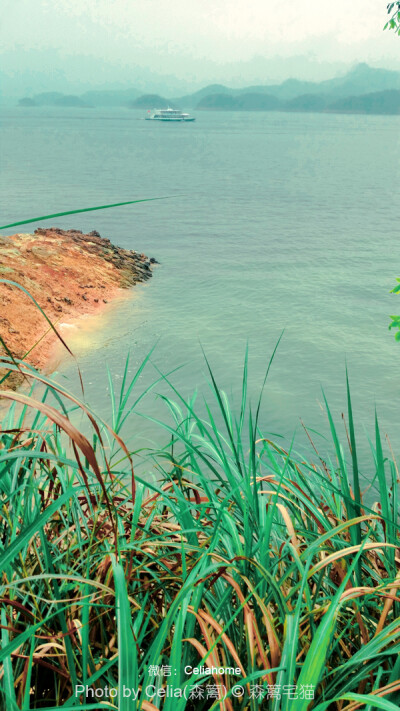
[{"x": 69, "y": 274}]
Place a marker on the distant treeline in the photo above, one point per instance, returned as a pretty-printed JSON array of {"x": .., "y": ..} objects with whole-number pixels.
[{"x": 364, "y": 90}]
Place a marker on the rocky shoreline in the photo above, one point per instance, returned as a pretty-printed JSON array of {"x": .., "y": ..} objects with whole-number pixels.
[{"x": 69, "y": 274}]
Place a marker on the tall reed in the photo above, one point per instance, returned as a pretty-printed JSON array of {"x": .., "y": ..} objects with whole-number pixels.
[{"x": 227, "y": 551}]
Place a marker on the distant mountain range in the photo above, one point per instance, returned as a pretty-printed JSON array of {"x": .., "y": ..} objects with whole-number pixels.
[
  {"x": 378, "y": 102},
  {"x": 364, "y": 89}
]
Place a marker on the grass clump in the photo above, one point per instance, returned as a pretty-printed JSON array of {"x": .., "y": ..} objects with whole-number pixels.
[{"x": 227, "y": 552}]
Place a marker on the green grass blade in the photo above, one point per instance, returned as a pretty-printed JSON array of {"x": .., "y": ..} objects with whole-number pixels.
[
  {"x": 315, "y": 660},
  {"x": 26, "y": 534},
  {"x": 84, "y": 209},
  {"x": 8, "y": 679},
  {"x": 127, "y": 656},
  {"x": 376, "y": 702}
]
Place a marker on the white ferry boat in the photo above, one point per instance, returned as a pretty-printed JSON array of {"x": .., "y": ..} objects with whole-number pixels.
[{"x": 168, "y": 115}]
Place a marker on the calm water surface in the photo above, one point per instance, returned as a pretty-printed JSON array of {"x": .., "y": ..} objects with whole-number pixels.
[{"x": 280, "y": 221}]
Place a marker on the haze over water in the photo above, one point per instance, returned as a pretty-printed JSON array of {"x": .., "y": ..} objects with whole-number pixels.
[{"x": 279, "y": 221}]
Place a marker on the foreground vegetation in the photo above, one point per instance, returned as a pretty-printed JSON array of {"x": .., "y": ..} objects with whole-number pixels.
[{"x": 227, "y": 552}]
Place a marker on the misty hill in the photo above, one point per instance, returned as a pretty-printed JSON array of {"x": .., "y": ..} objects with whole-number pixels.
[
  {"x": 111, "y": 98},
  {"x": 380, "y": 102},
  {"x": 26, "y": 101},
  {"x": 247, "y": 102},
  {"x": 290, "y": 95},
  {"x": 89, "y": 98},
  {"x": 193, "y": 99},
  {"x": 150, "y": 101},
  {"x": 289, "y": 89},
  {"x": 54, "y": 98},
  {"x": 363, "y": 79},
  {"x": 226, "y": 102},
  {"x": 307, "y": 102},
  {"x": 71, "y": 100}
]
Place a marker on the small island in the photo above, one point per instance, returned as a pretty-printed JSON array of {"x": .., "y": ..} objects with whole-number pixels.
[{"x": 69, "y": 274}]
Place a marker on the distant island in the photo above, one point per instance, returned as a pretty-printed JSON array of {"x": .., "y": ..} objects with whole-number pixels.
[
  {"x": 363, "y": 90},
  {"x": 54, "y": 98}
]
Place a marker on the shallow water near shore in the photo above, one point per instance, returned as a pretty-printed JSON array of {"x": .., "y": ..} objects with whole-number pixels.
[{"x": 279, "y": 221}]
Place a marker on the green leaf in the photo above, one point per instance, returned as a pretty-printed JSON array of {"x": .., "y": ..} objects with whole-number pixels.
[
  {"x": 8, "y": 679},
  {"x": 127, "y": 657},
  {"x": 372, "y": 700},
  {"x": 84, "y": 209},
  {"x": 26, "y": 534}
]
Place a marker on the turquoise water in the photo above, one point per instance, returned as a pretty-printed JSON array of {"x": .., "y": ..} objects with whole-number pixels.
[{"x": 279, "y": 221}]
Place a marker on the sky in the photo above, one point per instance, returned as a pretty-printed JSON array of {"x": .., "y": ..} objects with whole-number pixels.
[{"x": 184, "y": 44}]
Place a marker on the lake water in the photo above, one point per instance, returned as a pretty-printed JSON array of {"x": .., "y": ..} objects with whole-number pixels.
[{"x": 279, "y": 221}]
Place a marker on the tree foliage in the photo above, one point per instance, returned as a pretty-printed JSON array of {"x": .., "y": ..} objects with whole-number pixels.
[
  {"x": 393, "y": 9},
  {"x": 395, "y": 323}
]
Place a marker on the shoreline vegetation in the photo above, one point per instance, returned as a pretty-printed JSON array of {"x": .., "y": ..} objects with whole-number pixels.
[
  {"x": 70, "y": 275},
  {"x": 228, "y": 553}
]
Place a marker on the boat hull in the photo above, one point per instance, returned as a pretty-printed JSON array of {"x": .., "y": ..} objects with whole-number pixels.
[{"x": 170, "y": 120}]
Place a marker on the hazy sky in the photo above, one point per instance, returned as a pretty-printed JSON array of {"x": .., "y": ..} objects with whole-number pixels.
[{"x": 81, "y": 42}]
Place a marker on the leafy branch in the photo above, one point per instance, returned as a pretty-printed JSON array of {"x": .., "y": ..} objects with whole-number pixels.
[
  {"x": 393, "y": 9},
  {"x": 395, "y": 319}
]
